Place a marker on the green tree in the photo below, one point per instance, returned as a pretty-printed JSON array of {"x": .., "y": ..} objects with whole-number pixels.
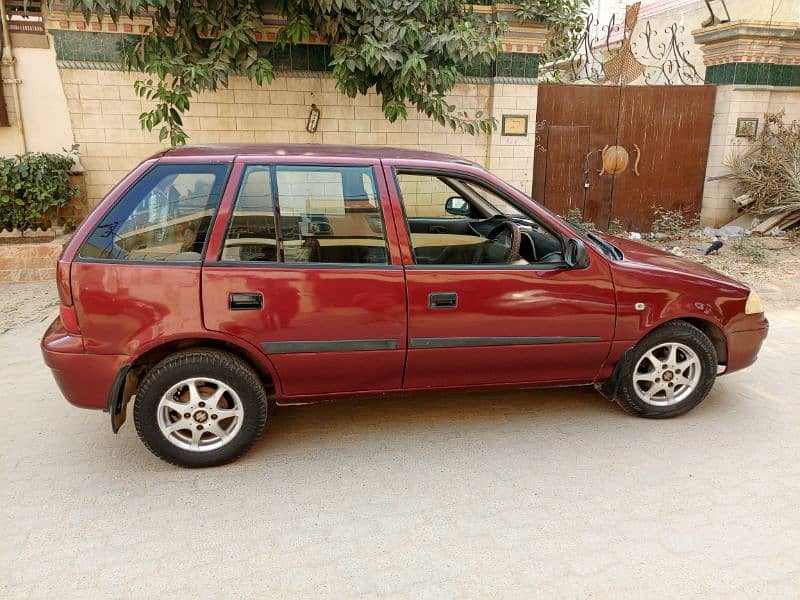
[{"x": 409, "y": 52}]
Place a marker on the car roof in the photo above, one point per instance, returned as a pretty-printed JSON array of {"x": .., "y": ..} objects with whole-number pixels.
[{"x": 309, "y": 150}]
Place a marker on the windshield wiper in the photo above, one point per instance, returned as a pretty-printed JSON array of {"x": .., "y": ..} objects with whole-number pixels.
[{"x": 608, "y": 249}]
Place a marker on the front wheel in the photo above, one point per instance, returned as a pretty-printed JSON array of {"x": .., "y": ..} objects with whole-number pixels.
[
  {"x": 200, "y": 408},
  {"x": 668, "y": 373}
]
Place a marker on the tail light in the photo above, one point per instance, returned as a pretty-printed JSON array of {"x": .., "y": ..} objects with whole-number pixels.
[
  {"x": 67, "y": 313},
  {"x": 62, "y": 280},
  {"x": 69, "y": 319}
]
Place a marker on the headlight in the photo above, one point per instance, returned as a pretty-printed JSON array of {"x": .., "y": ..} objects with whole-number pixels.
[{"x": 753, "y": 305}]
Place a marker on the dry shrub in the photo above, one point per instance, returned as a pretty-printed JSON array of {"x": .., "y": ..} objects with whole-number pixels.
[
  {"x": 575, "y": 216},
  {"x": 749, "y": 248},
  {"x": 670, "y": 224},
  {"x": 769, "y": 171}
]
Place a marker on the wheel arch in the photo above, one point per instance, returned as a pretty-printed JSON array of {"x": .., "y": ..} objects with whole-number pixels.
[
  {"x": 138, "y": 367},
  {"x": 709, "y": 327},
  {"x": 711, "y": 330},
  {"x": 152, "y": 356},
  {"x": 714, "y": 333}
]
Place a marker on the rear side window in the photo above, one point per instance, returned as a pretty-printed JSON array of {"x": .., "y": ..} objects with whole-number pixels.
[
  {"x": 307, "y": 214},
  {"x": 165, "y": 216}
]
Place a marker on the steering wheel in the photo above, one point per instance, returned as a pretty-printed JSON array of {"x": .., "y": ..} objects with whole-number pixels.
[{"x": 508, "y": 235}]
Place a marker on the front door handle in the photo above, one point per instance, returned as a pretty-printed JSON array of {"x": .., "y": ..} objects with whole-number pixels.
[
  {"x": 442, "y": 300},
  {"x": 245, "y": 300}
]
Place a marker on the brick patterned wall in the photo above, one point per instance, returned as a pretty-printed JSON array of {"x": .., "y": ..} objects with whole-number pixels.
[
  {"x": 732, "y": 103},
  {"x": 104, "y": 112},
  {"x": 423, "y": 196},
  {"x": 511, "y": 157}
]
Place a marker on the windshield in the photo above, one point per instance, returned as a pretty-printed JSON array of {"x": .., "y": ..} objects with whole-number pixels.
[
  {"x": 608, "y": 249},
  {"x": 497, "y": 203}
]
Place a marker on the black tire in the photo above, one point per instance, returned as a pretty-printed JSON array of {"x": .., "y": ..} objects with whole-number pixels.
[
  {"x": 200, "y": 363},
  {"x": 679, "y": 332}
]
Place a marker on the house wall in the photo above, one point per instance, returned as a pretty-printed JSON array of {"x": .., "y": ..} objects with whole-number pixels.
[
  {"x": 10, "y": 137},
  {"x": 43, "y": 105},
  {"x": 104, "y": 120},
  {"x": 72, "y": 92},
  {"x": 756, "y": 65},
  {"x": 104, "y": 110},
  {"x": 732, "y": 103}
]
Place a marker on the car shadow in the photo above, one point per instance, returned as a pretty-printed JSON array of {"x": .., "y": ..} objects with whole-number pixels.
[
  {"x": 343, "y": 432},
  {"x": 418, "y": 414}
]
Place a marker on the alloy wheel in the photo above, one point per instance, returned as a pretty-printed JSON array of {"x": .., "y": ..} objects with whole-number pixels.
[
  {"x": 200, "y": 414},
  {"x": 667, "y": 374}
]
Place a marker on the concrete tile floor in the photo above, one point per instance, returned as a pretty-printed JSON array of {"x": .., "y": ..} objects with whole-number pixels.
[{"x": 547, "y": 493}]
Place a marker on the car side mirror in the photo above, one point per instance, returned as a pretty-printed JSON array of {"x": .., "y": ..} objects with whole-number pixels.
[
  {"x": 456, "y": 205},
  {"x": 575, "y": 255}
]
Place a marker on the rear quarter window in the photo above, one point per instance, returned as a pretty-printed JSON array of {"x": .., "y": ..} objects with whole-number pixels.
[{"x": 165, "y": 216}]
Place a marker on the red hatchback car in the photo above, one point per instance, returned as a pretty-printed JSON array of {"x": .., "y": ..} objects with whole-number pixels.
[{"x": 212, "y": 279}]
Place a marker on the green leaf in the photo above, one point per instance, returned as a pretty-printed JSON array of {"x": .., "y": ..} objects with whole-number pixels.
[
  {"x": 408, "y": 52},
  {"x": 33, "y": 186}
]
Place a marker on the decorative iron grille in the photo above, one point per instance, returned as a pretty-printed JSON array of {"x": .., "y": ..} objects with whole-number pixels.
[{"x": 616, "y": 53}]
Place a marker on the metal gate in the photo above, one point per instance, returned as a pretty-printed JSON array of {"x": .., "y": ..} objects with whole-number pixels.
[{"x": 663, "y": 131}]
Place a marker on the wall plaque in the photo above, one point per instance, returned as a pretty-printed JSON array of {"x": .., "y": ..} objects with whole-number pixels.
[{"x": 514, "y": 125}]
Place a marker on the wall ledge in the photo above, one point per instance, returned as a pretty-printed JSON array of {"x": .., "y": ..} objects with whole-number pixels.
[
  {"x": 766, "y": 30},
  {"x": 113, "y": 66},
  {"x": 765, "y": 88}
]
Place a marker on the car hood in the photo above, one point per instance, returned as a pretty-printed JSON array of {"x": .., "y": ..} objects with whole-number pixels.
[{"x": 648, "y": 257}]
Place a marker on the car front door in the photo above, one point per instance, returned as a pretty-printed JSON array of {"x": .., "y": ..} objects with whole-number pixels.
[
  {"x": 301, "y": 266},
  {"x": 474, "y": 319}
]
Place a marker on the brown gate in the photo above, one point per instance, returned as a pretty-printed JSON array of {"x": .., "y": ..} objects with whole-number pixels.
[{"x": 665, "y": 131}]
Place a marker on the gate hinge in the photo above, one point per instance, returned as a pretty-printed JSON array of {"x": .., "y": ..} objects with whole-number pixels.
[{"x": 12, "y": 80}]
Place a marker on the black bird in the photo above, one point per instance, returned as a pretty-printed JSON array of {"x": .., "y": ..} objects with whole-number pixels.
[{"x": 714, "y": 247}]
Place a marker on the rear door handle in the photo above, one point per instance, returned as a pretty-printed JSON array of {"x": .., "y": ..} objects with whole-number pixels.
[
  {"x": 442, "y": 300},
  {"x": 245, "y": 300}
]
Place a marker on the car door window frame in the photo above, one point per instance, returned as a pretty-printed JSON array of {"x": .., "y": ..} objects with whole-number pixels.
[
  {"x": 242, "y": 181},
  {"x": 394, "y": 169},
  {"x": 227, "y": 212}
]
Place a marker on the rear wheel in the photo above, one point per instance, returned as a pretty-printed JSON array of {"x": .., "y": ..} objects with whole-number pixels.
[
  {"x": 200, "y": 408},
  {"x": 668, "y": 373}
]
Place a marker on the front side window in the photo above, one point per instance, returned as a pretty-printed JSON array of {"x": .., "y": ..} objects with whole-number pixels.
[
  {"x": 165, "y": 216},
  {"x": 456, "y": 221},
  {"x": 428, "y": 196},
  {"x": 307, "y": 214}
]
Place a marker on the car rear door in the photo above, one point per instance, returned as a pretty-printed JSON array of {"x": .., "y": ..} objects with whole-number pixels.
[
  {"x": 495, "y": 324},
  {"x": 302, "y": 265}
]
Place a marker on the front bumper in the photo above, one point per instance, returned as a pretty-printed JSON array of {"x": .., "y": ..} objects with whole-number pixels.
[
  {"x": 84, "y": 379},
  {"x": 744, "y": 345}
]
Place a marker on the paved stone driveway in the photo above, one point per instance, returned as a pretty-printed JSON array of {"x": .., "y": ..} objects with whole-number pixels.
[{"x": 553, "y": 493}]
